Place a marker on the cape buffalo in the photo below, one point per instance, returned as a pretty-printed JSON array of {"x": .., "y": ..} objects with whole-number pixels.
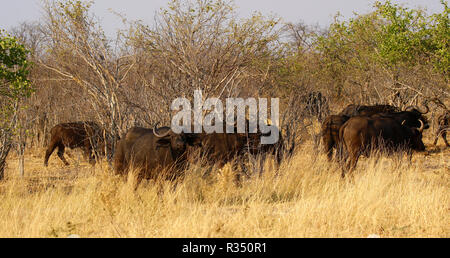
[
  {"x": 86, "y": 135},
  {"x": 281, "y": 149},
  {"x": 124, "y": 146},
  {"x": 361, "y": 135},
  {"x": 316, "y": 105},
  {"x": 443, "y": 127},
  {"x": 412, "y": 118},
  {"x": 220, "y": 148},
  {"x": 443, "y": 122},
  {"x": 332, "y": 124},
  {"x": 330, "y": 132},
  {"x": 361, "y": 110},
  {"x": 151, "y": 151}
]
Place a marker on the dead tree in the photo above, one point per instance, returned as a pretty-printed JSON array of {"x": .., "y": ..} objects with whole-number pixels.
[{"x": 81, "y": 52}]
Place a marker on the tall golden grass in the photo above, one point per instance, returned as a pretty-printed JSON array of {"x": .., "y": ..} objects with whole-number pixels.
[{"x": 304, "y": 197}]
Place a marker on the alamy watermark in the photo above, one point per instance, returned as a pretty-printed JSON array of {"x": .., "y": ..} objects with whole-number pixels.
[{"x": 214, "y": 120}]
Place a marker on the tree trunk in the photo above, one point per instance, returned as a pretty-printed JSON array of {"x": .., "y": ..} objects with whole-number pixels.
[
  {"x": 21, "y": 151},
  {"x": 4, "y": 151}
]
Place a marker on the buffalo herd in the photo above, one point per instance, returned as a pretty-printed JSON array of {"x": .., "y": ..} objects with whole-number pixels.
[
  {"x": 357, "y": 130},
  {"x": 152, "y": 151},
  {"x": 158, "y": 150}
]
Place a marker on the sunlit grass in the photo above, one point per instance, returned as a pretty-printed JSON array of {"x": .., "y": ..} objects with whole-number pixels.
[{"x": 304, "y": 197}]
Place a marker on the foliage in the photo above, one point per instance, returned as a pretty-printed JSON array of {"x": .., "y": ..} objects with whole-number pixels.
[
  {"x": 392, "y": 39},
  {"x": 440, "y": 40},
  {"x": 83, "y": 74},
  {"x": 14, "y": 86},
  {"x": 14, "y": 68}
]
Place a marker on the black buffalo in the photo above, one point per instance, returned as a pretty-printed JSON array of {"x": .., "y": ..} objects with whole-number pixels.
[
  {"x": 316, "y": 105},
  {"x": 361, "y": 135},
  {"x": 87, "y": 135},
  {"x": 443, "y": 127},
  {"x": 220, "y": 148},
  {"x": 443, "y": 122},
  {"x": 332, "y": 124},
  {"x": 412, "y": 118},
  {"x": 362, "y": 110},
  {"x": 152, "y": 151},
  {"x": 330, "y": 132}
]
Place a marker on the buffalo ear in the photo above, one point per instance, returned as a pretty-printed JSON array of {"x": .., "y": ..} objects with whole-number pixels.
[{"x": 163, "y": 142}]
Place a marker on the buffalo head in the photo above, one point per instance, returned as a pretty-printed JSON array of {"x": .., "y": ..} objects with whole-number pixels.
[
  {"x": 416, "y": 142},
  {"x": 176, "y": 142}
]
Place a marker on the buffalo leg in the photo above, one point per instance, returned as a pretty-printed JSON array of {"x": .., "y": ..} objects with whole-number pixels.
[
  {"x": 119, "y": 160},
  {"x": 61, "y": 154},
  {"x": 437, "y": 136},
  {"x": 351, "y": 164},
  {"x": 89, "y": 155},
  {"x": 341, "y": 155},
  {"x": 329, "y": 151},
  {"x": 436, "y": 140},
  {"x": 344, "y": 165},
  {"x": 49, "y": 152},
  {"x": 444, "y": 136}
]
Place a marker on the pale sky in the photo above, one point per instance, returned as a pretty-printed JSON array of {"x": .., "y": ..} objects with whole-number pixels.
[{"x": 321, "y": 12}]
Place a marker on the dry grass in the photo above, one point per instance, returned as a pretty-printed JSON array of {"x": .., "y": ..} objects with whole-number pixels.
[{"x": 305, "y": 197}]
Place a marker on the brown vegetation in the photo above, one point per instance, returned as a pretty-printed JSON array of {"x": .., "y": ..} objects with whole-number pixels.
[{"x": 393, "y": 57}]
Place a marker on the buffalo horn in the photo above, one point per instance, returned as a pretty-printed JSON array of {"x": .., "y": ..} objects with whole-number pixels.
[
  {"x": 409, "y": 108},
  {"x": 159, "y": 135},
  {"x": 426, "y": 106},
  {"x": 421, "y": 126},
  {"x": 418, "y": 109}
]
